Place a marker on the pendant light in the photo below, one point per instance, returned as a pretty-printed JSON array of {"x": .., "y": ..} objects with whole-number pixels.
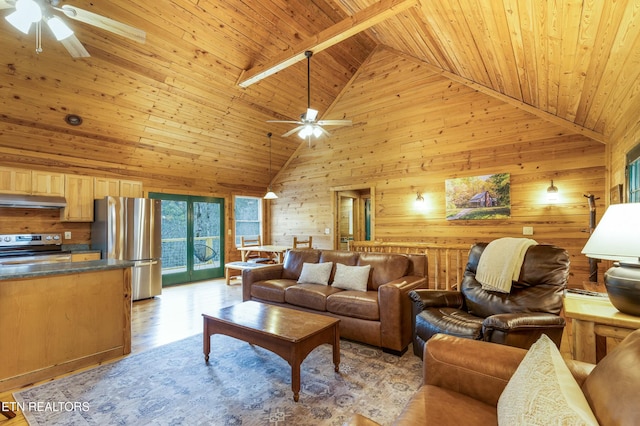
[{"x": 270, "y": 195}]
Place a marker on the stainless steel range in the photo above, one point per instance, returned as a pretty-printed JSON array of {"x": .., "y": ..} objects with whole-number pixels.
[{"x": 28, "y": 249}]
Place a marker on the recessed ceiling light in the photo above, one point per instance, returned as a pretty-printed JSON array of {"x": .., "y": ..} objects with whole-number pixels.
[{"x": 73, "y": 120}]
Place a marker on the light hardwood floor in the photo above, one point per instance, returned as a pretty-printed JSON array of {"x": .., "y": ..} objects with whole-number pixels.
[{"x": 174, "y": 315}]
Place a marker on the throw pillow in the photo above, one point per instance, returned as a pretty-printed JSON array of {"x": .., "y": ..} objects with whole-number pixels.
[
  {"x": 543, "y": 391},
  {"x": 315, "y": 273},
  {"x": 351, "y": 277}
]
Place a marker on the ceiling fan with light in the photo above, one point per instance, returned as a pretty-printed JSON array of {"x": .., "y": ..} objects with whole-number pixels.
[
  {"x": 307, "y": 125},
  {"x": 29, "y": 12}
]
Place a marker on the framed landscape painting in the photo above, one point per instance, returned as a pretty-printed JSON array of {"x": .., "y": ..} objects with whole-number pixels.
[{"x": 479, "y": 197}]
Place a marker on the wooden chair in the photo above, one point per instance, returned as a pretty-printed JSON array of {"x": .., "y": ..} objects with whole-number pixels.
[
  {"x": 302, "y": 243},
  {"x": 254, "y": 257}
]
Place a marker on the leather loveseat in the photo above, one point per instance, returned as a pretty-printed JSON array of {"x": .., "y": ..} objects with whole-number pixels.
[
  {"x": 378, "y": 315},
  {"x": 464, "y": 381}
]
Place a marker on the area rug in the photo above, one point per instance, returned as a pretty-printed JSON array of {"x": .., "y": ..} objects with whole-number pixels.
[{"x": 241, "y": 385}]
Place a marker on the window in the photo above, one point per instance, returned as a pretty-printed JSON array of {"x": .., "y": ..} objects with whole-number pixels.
[
  {"x": 633, "y": 175},
  {"x": 248, "y": 214}
]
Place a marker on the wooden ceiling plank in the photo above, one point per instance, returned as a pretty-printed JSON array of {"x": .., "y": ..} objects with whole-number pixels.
[
  {"x": 621, "y": 67},
  {"x": 327, "y": 38},
  {"x": 607, "y": 32},
  {"x": 569, "y": 56}
]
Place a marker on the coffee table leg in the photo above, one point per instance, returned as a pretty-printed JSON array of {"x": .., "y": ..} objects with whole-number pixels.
[
  {"x": 336, "y": 348},
  {"x": 295, "y": 380},
  {"x": 206, "y": 343}
]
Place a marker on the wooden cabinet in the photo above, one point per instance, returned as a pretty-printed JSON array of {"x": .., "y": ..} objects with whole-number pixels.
[
  {"x": 78, "y": 190},
  {"x": 62, "y": 322},
  {"x": 45, "y": 183},
  {"x": 15, "y": 181},
  {"x": 82, "y": 257},
  {"x": 104, "y": 187},
  {"x": 131, "y": 188}
]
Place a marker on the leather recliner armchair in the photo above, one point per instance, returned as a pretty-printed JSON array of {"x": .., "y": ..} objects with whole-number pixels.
[{"x": 515, "y": 319}]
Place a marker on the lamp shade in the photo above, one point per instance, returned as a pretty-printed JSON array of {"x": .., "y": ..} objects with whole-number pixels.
[
  {"x": 20, "y": 21},
  {"x": 270, "y": 195},
  {"x": 617, "y": 236}
]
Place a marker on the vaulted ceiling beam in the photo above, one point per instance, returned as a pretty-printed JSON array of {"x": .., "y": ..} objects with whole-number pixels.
[{"x": 333, "y": 35}]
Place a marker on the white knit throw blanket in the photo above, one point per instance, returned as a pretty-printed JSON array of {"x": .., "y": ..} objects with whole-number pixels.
[{"x": 500, "y": 263}]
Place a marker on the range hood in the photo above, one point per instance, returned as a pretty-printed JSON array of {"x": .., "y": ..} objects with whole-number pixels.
[{"x": 32, "y": 201}]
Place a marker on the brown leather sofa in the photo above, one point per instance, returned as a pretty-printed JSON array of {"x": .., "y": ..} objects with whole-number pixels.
[
  {"x": 379, "y": 316},
  {"x": 461, "y": 388},
  {"x": 516, "y": 319}
]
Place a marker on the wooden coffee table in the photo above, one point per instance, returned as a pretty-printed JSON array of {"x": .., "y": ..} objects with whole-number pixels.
[{"x": 286, "y": 332}]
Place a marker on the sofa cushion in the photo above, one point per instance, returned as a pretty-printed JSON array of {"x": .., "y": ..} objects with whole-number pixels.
[
  {"x": 355, "y": 304},
  {"x": 349, "y": 258},
  {"x": 271, "y": 290},
  {"x": 613, "y": 386},
  {"x": 539, "y": 289},
  {"x": 311, "y": 296},
  {"x": 294, "y": 259},
  {"x": 433, "y": 405},
  {"x": 315, "y": 273},
  {"x": 542, "y": 391},
  {"x": 351, "y": 277},
  {"x": 385, "y": 267}
]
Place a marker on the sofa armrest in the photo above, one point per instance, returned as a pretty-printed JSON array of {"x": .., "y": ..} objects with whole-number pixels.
[
  {"x": 425, "y": 298},
  {"x": 519, "y": 329},
  {"x": 474, "y": 368},
  {"x": 395, "y": 311},
  {"x": 253, "y": 275},
  {"x": 579, "y": 369}
]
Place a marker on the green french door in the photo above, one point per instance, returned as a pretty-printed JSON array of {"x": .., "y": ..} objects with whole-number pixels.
[{"x": 192, "y": 238}]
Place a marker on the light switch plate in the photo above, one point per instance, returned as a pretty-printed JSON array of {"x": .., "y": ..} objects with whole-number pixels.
[
  {"x": 527, "y": 230},
  {"x": 67, "y": 235}
]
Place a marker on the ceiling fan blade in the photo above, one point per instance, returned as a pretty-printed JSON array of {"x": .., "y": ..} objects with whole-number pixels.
[
  {"x": 105, "y": 23},
  {"x": 285, "y": 121},
  {"x": 292, "y": 131},
  {"x": 74, "y": 47},
  {"x": 7, "y": 4},
  {"x": 335, "y": 122}
]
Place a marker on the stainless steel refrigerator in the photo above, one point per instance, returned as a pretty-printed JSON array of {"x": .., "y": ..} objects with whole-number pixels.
[{"x": 130, "y": 229}]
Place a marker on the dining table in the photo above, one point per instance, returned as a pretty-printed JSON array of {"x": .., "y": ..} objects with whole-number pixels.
[{"x": 275, "y": 251}]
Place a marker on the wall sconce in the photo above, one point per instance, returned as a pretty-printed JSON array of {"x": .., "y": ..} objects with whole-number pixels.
[
  {"x": 420, "y": 203},
  {"x": 552, "y": 193}
]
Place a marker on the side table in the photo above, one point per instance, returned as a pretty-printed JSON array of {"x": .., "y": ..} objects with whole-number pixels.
[{"x": 593, "y": 319}]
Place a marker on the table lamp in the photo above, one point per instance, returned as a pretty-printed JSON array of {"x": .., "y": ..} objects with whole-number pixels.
[{"x": 617, "y": 237}]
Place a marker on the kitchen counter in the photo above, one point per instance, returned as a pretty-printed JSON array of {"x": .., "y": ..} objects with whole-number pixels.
[
  {"x": 13, "y": 272},
  {"x": 63, "y": 316}
]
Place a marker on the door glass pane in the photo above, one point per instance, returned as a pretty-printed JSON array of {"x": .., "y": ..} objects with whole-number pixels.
[
  {"x": 174, "y": 236},
  {"x": 206, "y": 235}
]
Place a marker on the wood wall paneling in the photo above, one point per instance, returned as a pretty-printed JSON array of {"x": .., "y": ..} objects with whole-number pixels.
[{"x": 417, "y": 141}]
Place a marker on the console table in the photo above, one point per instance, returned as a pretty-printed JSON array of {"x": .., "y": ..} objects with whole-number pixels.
[{"x": 593, "y": 320}]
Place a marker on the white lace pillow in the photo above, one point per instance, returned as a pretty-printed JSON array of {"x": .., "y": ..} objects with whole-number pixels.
[
  {"x": 315, "y": 273},
  {"x": 543, "y": 391},
  {"x": 351, "y": 277}
]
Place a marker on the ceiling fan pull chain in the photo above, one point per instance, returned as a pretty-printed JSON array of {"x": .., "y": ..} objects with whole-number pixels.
[{"x": 39, "y": 37}]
